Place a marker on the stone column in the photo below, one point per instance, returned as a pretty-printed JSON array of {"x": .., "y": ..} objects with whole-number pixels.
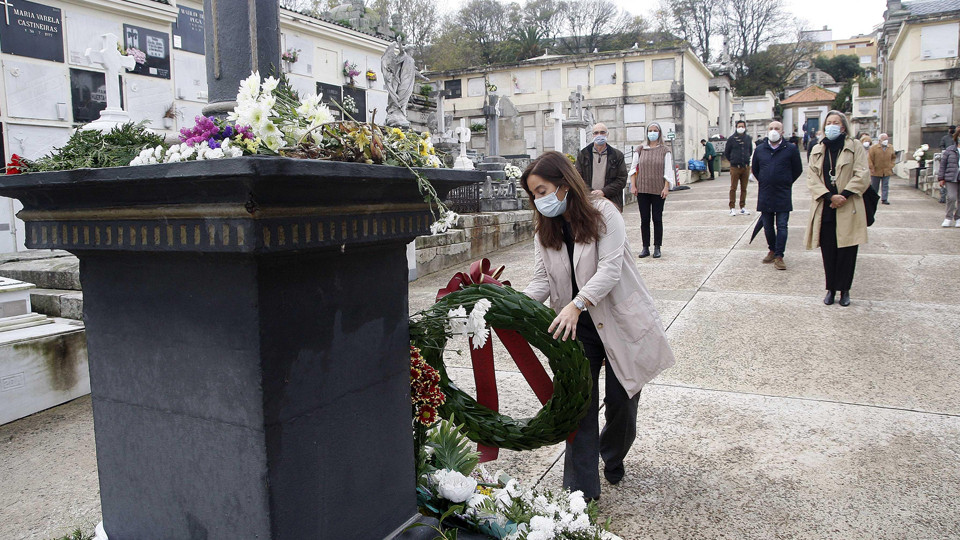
[
  {"x": 241, "y": 37},
  {"x": 248, "y": 344},
  {"x": 725, "y": 112}
]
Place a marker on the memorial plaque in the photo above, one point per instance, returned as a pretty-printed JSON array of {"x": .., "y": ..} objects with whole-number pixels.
[
  {"x": 35, "y": 90},
  {"x": 155, "y": 45},
  {"x": 83, "y": 32},
  {"x": 330, "y": 93},
  {"x": 33, "y": 142},
  {"x": 188, "y": 30},
  {"x": 32, "y": 30},
  {"x": 377, "y": 99},
  {"x": 453, "y": 88},
  {"x": 88, "y": 93},
  {"x": 359, "y": 95}
]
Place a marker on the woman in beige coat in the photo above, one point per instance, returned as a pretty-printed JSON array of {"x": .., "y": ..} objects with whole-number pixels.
[
  {"x": 837, "y": 178},
  {"x": 583, "y": 264}
]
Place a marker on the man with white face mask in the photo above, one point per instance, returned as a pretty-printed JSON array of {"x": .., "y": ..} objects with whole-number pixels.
[
  {"x": 881, "y": 158},
  {"x": 738, "y": 149},
  {"x": 603, "y": 167},
  {"x": 776, "y": 165}
]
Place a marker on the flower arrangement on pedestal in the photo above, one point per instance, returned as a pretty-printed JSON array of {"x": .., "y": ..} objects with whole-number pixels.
[
  {"x": 349, "y": 105},
  {"x": 371, "y": 75},
  {"x": 513, "y": 172},
  {"x": 920, "y": 155},
  {"x": 350, "y": 71},
  {"x": 290, "y": 55},
  {"x": 139, "y": 56}
]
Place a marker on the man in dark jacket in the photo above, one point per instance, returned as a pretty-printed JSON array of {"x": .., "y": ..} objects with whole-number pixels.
[
  {"x": 709, "y": 155},
  {"x": 737, "y": 151},
  {"x": 603, "y": 168},
  {"x": 776, "y": 165},
  {"x": 947, "y": 140}
]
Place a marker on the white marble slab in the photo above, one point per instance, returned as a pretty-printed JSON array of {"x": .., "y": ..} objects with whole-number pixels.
[
  {"x": 190, "y": 76},
  {"x": 635, "y": 113},
  {"x": 147, "y": 99},
  {"x": 36, "y": 91},
  {"x": 305, "y": 63},
  {"x": 578, "y": 77},
  {"x": 305, "y": 86},
  {"x": 84, "y": 31},
  {"x": 327, "y": 67},
  {"x": 33, "y": 142},
  {"x": 377, "y": 99},
  {"x": 605, "y": 74}
]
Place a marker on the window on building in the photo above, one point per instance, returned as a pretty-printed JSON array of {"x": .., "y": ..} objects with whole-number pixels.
[
  {"x": 828, "y": 46},
  {"x": 454, "y": 88},
  {"x": 578, "y": 77},
  {"x": 634, "y": 71},
  {"x": 939, "y": 41},
  {"x": 550, "y": 79},
  {"x": 866, "y": 59},
  {"x": 663, "y": 70},
  {"x": 605, "y": 74}
]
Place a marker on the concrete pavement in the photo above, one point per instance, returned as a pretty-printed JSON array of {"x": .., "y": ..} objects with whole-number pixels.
[{"x": 783, "y": 418}]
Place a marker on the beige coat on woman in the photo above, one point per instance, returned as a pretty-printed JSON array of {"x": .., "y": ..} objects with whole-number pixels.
[
  {"x": 853, "y": 175},
  {"x": 623, "y": 310}
]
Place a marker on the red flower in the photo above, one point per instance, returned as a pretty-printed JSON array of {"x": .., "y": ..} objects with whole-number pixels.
[
  {"x": 427, "y": 415},
  {"x": 16, "y": 165}
]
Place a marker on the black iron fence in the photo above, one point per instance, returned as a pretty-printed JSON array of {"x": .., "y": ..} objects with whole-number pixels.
[{"x": 464, "y": 199}]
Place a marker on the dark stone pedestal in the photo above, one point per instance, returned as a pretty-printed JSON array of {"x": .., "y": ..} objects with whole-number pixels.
[{"x": 247, "y": 333}]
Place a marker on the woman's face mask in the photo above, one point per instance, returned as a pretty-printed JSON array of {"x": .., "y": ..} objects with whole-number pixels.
[
  {"x": 653, "y": 135},
  {"x": 550, "y": 205},
  {"x": 832, "y": 131}
]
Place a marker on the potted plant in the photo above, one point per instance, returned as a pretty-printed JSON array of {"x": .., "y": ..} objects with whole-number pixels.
[
  {"x": 350, "y": 71},
  {"x": 170, "y": 115}
]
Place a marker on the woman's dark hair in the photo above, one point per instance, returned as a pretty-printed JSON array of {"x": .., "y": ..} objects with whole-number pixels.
[{"x": 586, "y": 221}]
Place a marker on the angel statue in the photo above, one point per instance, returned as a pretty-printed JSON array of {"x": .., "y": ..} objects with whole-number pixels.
[{"x": 399, "y": 75}]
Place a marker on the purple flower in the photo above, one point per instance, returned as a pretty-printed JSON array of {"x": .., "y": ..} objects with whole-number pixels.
[{"x": 205, "y": 129}]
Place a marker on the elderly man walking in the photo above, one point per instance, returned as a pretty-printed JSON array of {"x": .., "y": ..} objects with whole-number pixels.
[
  {"x": 881, "y": 158},
  {"x": 603, "y": 168},
  {"x": 776, "y": 165}
]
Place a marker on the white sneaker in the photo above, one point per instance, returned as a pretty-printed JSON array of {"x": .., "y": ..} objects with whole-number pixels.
[
  {"x": 733, "y": 212},
  {"x": 947, "y": 223},
  {"x": 957, "y": 224},
  {"x": 744, "y": 212}
]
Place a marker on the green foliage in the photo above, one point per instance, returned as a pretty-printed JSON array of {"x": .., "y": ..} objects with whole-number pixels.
[
  {"x": 426, "y": 90},
  {"x": 77, "y": 535},
  {"x": 477, "y": 127},
  {"x": 843, "y": 102},
  {"x": 763, "y": 73},
  {"x": 451, "y": 449},
  {"x": 842, "y": 68},
  {"x": 93, "y": 149}
]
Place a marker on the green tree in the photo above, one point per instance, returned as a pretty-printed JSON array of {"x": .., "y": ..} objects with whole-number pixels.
[
  {"x": 842, "y": 68},
  {"x": 696, "y": 21}
]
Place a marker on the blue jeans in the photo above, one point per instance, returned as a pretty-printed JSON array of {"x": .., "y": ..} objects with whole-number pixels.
[
  {"x": 776, "y": 238},
  {"x": 881, "y": 182}
]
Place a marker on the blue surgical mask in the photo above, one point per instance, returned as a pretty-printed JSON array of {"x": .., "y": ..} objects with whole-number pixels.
[
  {"x": 600, "y": 140},
  {"x": 653, "y": 135},
  {"x": 832, "y": 131},
  {"x": 550, "y": 205}
]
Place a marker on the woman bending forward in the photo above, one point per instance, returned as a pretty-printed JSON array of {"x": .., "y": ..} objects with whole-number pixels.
[{"x": 582, "y": 263}]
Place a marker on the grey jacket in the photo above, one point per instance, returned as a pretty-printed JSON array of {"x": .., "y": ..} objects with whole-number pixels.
[{"x": 949, "y": 164}]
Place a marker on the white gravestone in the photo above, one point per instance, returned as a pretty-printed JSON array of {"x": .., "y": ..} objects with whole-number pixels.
[
  {"x": 558, "y": 119},
  {"x": 33, "y": 142},
  {"x": 36, "y": 91},
  {"x": 463, "y": 136},
  {"x": 148, "y": 99},
  {"x": 82, "y": 30},
  {"x": 112, "y": 62},
  {"x": 190, "y": 76}
]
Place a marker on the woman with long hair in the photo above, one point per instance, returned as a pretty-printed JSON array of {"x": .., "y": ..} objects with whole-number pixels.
[
  {"x": 582, "y": 263},
  {"x": 837, "y": 177},
  {"x": 650, "y": 179}
]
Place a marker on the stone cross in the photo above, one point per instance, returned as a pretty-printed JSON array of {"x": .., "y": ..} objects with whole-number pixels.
[
  {"x": 576, "y": 104},
  {"x": 441, "y": 121},
  {"x": 491, "y": 112},
  {"x": 558, "y": 119},
  {"x": 6, "y": 8},
  {"x": 112, "y": 61},
  {"x": 463, "y": 135}
]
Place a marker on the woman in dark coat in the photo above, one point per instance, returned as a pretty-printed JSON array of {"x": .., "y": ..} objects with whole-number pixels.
[{"x": 949, "y": 168}]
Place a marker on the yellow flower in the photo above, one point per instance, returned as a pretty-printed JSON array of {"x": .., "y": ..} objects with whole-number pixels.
[
  {"x": 484, "y": 490},
  {"x": 398, "y": 132}
]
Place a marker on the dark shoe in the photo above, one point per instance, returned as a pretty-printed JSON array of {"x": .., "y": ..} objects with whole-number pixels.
[
  {"x": 779, "y": 264},
  {"x": 844, "y": 298},
  {"x": 589, "y": 500},
  {"x": 828, "y": 299},
  {"x": 656, "y": 252},
  {"x": 614, "y": 475},
  {"x": 884, "y": 202},
  {"x": 645, "y": 252},
  {"x": 769, "y": 258}
]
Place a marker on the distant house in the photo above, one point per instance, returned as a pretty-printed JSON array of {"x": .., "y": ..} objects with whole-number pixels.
[{"x": 809, "y": 106}]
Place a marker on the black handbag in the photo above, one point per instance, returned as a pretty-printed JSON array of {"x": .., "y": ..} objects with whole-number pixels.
[{"x": 870, "y": 201}]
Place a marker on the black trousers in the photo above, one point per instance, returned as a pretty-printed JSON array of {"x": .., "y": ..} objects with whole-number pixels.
[
  {"x": 838, "y": 263},
  {"x": 580, "y": 470},
  {"x": 651, "y": 206}
]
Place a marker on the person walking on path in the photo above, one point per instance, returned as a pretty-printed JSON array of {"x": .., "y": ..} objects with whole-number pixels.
[
  {"x": 948, "y": 139},
  {"x": 837, "y": 179},
  {"x": 603, "y": 167},
  {"x": 815, "y": 140},
  {"x": 709, "y": 155},
  {"x": 582, "y": 263},
  {"x": 948, "y": 177},
  {"x": 737, "y": 151},
  {"x": 776, "y": 166},
  {"x": 650, "y": 179},
  {"x": 881, "y": 158}
]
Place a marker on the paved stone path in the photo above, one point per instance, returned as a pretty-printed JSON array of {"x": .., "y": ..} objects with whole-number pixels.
[{"x": 783, "y": 418}]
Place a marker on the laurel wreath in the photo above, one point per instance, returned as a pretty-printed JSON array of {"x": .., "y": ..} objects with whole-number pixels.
[{"x": 510, "y": 310}]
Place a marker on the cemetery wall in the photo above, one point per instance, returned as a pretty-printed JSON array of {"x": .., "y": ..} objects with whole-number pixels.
[
  {"x": 49, "y": 87},
  {"x": 475, "y": 235}
]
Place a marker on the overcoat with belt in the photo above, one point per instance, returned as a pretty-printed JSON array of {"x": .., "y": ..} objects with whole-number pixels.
[
  {"x": 623, "y": 311},
  {"x": 853, "y": 176}
]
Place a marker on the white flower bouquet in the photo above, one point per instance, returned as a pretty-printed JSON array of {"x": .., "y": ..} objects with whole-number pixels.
[{"x": 513, "y": 172}]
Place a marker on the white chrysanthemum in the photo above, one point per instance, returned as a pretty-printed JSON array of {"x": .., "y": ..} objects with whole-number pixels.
[
  {"x": 542, "y": 523},
  {"x": 477, "y": 324},
  {"x": 158, "y": 152},
  {"x": 215, "y": 153},
  {"x": 476, "y": 500},
  {"x": 577, "y": 503},
  {"x": 457, "y": 321},
  {"x": 582, "y": 523},
  {"x": 269, "y": 85},
  {"x": 454, "y": 486},
  {"x": 173, "y": 158}
]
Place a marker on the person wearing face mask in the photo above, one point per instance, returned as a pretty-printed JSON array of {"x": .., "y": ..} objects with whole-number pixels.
[
  {"x": 583, "y": 264},
  {"x": 949, "y": 177},
  {"x": 709, "y": 155},
  {"x": 776, "y": 165},
  {"x": 881, "y": 158},
  {"x": 603, "y": 167},
  {"x": 837, "y": 179},
  {"x": 738, "y": 150},
  {"x": 651, "y": 177}
]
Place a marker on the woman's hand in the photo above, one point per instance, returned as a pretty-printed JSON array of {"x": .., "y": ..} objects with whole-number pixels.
[
  {"x": 565, "y": 325},
  {"x": 666, "y": 190},
  {"x": 943, "y": 183},
  {"x": 633, "y": 188},
  {"x": 836, "y": 201}
]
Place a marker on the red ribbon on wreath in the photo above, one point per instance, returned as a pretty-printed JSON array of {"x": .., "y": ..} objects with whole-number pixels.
[{"x": 482, "y": 358}]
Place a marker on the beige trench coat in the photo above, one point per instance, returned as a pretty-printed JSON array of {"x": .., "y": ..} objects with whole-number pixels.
[
  {"x": 627, "y": 321},
  {"x": 852, "y": 175}
]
